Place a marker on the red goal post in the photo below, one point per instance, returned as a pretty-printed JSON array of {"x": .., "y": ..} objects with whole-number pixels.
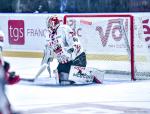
[{"x": 88, "y": 19}]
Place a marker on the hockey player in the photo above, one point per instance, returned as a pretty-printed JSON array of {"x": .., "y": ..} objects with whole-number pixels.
[
  {"x": 65, "y": 46},
  {"x": 10, "y": 77},
  {"x": 4, "y": 102},
  {"x": 5, "y": 78}
]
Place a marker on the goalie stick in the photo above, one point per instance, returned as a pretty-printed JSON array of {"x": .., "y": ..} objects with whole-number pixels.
[{"x": 42, "y": 68}]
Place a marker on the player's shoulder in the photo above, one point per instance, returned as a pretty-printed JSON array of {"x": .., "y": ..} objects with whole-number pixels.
[{"x": 66, "y": 27}]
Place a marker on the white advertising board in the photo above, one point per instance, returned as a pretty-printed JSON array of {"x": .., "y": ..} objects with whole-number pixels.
[
  {"x": 99, "y": 33},
  {"x": 26, "y": 32}
]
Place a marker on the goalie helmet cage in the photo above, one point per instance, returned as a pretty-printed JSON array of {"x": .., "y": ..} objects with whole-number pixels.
[{"x": 126, "y": 25}]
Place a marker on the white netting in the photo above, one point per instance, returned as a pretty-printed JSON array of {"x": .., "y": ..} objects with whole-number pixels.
[
  {"x": 108, "y": 39},
  {"x": 141, "y": 51}
]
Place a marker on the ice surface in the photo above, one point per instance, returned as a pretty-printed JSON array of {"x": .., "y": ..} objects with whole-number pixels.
[{"x": 112, "y": 97}]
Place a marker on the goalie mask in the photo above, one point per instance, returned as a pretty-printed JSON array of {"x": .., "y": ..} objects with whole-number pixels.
[{"x": 52, "y": 23}]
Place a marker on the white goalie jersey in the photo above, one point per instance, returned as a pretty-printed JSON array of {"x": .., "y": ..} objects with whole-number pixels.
[{"x": 63, "y": 44}]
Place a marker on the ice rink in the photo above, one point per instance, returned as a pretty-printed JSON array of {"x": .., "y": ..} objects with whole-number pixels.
[{"x": 112, "y": 97}]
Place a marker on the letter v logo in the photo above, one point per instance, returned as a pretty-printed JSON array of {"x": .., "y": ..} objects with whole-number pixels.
[{"x": 104, "y": 37}]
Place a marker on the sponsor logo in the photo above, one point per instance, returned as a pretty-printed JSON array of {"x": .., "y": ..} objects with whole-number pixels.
[
  {"x": 76, "y": 30},
  {"x": 80, "y": 74},
  {"x": 16, "y": 32},
  {"x": 115, "y": 29},
  {"x": 146, "y": 29},
  {"x": 83, "y": 75}
]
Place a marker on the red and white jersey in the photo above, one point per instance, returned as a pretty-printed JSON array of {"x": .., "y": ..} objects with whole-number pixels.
[
  {"x": 1, "y": 39},
  {"x": 1, "y": 46},
  {"x": 64, "y": 39},
  {"x": 4, "y": 103}
]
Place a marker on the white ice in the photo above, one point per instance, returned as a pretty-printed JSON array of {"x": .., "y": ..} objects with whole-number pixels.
[{"x": 111, "y": 97}]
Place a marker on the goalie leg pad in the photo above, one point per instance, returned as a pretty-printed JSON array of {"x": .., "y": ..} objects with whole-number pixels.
[
  {"x": 86, "y": 75},
  {"x": 98, "y": 75},
  {"x": 80, "y": 75}
]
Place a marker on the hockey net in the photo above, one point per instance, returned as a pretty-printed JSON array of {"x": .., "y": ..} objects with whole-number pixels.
[{"x": 114, "y": 42}]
